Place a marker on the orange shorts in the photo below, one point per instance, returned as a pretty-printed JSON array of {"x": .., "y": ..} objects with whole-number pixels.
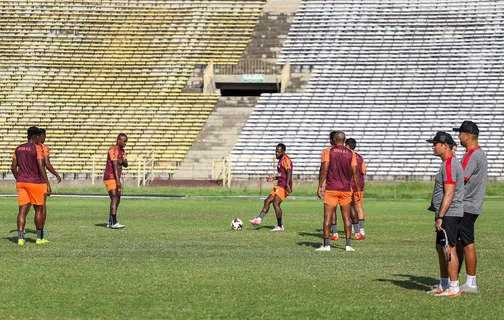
[
  {"x": 30, "y": 193},
  {"x": 361, "y": 198},
  {"x": 45, "y": 188},
  {"x": 280, "y": 192},
  {"x": 111, "y": 184},
  {"x": 333, "y": 198}
]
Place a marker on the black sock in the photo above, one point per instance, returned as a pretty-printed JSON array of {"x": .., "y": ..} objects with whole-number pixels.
[
  {"x": 262, "y": 214},
  {"x": 349, "y": 242},
  {"x": 334, "y": 228},
  {"x": 326, "y": 242},
  {"x": 20, "y": 234},
  {"x": 356, "y": 227},
  {"x": 114, "y": 219},
  {"x": 279, "y": 221},
  {"x": 39, "y": 234}
]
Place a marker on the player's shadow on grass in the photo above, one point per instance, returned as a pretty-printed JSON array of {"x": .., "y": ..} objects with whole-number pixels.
[
  {"x": 309, "y": 244},
  {"x": 308, "y": 234},
  {"x": 412, "y": 282},
  {"x": 15, "y": 240},
  {"x": 103, "y": 225},
  {"x": 259, "y": 227}
]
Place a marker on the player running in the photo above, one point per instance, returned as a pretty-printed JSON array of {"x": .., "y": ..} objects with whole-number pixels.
[
  {"x": 474, "y": 164},
  {"x": 31, "y": 183},
  {"x": 340, "y": 168},
  {"x": 116, "y": 160},
  {"x": 280, "y": 191},
  {"x": 447, "y": 204},
  {"x": 357, "y": 209}
]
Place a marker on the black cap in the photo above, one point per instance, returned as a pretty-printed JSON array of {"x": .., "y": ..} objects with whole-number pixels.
[
  {"x": 442, "y": 137},
  {"x": 467, "y": 126}
]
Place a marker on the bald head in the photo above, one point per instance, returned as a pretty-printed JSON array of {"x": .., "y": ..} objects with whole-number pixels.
[{"x": 339, "y": 138}]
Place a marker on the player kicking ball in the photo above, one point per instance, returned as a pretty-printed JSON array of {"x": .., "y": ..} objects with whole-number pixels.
[{"x": 280, "y": 191}]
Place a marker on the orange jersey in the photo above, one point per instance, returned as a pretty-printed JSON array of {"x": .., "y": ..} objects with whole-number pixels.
[
  {"x": 115, "y": 153},
  {"x": 283, "y": 165}
]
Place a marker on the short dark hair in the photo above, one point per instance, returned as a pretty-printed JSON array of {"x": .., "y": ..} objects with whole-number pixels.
[
  {"x": 331, "y": 135},
  {"x": 351, "y": 143},
  {"x": 33, "y": 132},
  {"x": 281, "y": 145},
  {"x": 121, "y": 135},
  {"x": 42, "y": 131}
]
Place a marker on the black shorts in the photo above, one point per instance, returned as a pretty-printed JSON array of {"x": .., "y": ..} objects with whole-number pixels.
[
  {"x": 466, "y": 230},
  {"x": 451, "y": 226}
]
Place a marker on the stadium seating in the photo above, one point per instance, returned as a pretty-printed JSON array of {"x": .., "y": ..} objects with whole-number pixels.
[
  {"x": 389, "y": 74},
  {"x": 86, "y": 71}
]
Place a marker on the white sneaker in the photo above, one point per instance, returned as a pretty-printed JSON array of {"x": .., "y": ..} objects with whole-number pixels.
[
  {"x": 467, "y": 288},
  {"x": 117, "y": 226},
  {"x": 277, "y": 228},
  {"x": 348, "y": 248},
  {"x": 437, "y": 290},
  {"x": 323, "y": 248}
]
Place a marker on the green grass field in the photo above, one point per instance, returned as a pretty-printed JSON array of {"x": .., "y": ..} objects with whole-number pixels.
[{"x": 178, "y": 259}]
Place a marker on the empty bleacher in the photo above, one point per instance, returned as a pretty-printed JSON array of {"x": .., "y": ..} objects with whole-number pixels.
[
  {"x": 86, "y": 71},
  {"x": 390, "y": 74}
]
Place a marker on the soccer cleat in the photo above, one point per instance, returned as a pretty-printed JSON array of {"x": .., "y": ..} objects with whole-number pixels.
[
  {"x": 335, "y": 237},
  {"x": 436, "y": 290},
  {"x": 21, "y": 242},
  {"x": 255, "y": 221},
  {"x": 348, "y": 248},
  {"x": 467, "y": 288},
  {"x": 448, "y": 293},
  {"x": 359, "y": 236},
  {"x": 323, "y": 248},
  {"x": 41, "y": 241},
  {"x": 278, "y": 228},
  {"x": 117, "y": 226}
]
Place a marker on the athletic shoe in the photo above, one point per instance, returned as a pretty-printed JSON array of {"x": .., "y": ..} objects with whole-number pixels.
[
  {"x": 117, "y": 226},
  {"x": 323, "y": 248},
  {"x": 255, "y": 221},
  {"x": 24, "y": 231},
  {"x": 277, "y": 228},
  {"x": 335, "y": 237},
  {"x": 359, "y": 236},
  {"x": 348, "y": 248},
  {"x": 436, "y": 290},
  {"x": 448, "y": 293},
  {"x": 467, "y": 288},
  {"x": 21, "y": 242},
  {"x": 44, "y": 233},
  {"x": 41, "y": 241}
]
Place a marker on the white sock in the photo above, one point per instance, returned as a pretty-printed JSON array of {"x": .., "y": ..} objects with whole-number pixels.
[
  {"x": 362, "y": 231},
  {"x": 454, "y": 286},
  {"x": 471, "y": 280},
  {"x": 443, "y": 283}
]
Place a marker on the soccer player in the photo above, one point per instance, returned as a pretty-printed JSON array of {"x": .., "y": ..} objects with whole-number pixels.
[
  {"x": 116, "y": 160},
  {"x": 31, "y": 183},
  {"x": 474, "y": 164},
  {"x": 357, "y": 208},
  {"x": 334, "y": 221},
  {"x": 280, "y": 191},
  {"x": 48, "y": 165},
  {"x": 447, "y": 204},
  {"x": 340, "y": 168}
]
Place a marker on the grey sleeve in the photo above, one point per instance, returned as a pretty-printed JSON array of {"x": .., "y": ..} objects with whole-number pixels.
[{"x": 470, "y": 169}]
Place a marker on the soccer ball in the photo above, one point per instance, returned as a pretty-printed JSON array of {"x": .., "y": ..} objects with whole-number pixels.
[{"x": 236, "y": 224}]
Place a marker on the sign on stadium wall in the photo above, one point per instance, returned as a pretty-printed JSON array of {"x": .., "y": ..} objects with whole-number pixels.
[{"x": 253, "y": 78}]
